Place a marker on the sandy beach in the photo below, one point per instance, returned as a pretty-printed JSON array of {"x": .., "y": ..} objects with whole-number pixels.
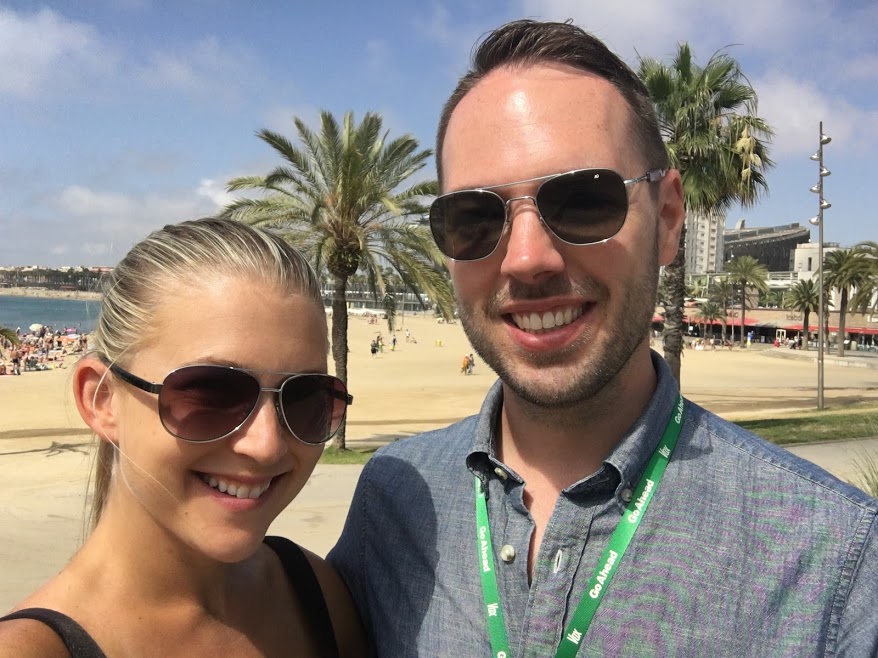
[
  {"x": 45, "y": 447},
  {"x": 50, "y": 294}
]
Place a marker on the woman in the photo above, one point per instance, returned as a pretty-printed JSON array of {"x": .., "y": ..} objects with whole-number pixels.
[{"x": 207, "y": 390}]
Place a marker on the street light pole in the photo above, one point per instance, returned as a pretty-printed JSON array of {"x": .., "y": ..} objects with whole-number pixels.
[{"x": 823, "y": 204}]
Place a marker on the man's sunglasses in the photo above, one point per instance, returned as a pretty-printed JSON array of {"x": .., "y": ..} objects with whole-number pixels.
[
  {"x": 203, "y": 403},
  {"x": 580, "y": 207}
]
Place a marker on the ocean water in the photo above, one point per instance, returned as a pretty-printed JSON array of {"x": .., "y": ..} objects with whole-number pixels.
[{"x": 21, "y": 312}]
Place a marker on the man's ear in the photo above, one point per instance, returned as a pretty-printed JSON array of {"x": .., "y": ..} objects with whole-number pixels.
[
  {"x": 93, "y": 392},
  {"x": 672, "y": 216}
]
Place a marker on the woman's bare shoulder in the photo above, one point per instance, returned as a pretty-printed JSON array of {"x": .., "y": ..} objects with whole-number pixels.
[
  {"x": 348, "y": 627},
  {"x": 29, "y": 638}
]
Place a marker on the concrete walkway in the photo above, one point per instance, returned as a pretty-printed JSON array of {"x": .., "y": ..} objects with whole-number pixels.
[
  {"x": 849, "y": 360},
  {"x": 839, "y": 457}
]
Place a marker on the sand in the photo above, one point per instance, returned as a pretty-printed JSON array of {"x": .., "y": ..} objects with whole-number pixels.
[{"x": 45, "y": 446}]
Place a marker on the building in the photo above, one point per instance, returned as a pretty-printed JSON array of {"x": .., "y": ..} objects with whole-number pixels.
[
  {"x": 773, "y": 246},
  {"x": 704, "y": 243}
]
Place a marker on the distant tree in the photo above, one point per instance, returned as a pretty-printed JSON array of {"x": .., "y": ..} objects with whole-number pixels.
[
  {"x": 772, "y": 299},
  {"x": 803, "y": 297},
  {"x": 389, "y": 303},
  {"x": 865, "y": 300},
  {"x": 746, "y": 272},
  {"x": 708, "y": 313},
  {"x": 845, "y": 269},
  {"x": 723, "y": 293}
]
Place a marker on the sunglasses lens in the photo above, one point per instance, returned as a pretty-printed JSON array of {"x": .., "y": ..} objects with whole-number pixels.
[
  {"x": 202, "y": 403},
  {"x": 467, "y": 225},
  {"x": 314, "y": 406},
  {"x": 584, "y": 207}
]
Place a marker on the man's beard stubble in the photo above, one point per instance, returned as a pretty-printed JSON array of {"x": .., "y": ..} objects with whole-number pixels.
[{"x": 605, "y": 356}]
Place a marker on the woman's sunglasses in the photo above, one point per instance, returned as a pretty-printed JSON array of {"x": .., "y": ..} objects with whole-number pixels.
[
  {"x": 203, "y": 403},
  {"x": 579, "y": 207}
]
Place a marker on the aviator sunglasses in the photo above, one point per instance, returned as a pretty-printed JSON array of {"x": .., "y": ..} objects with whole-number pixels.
[
  {"x": 201, "y": 403},
  {"x": 580, "y": 207}
]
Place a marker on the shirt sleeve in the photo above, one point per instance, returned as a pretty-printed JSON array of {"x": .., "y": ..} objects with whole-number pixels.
[
  {"x": 858, "y": 624},
  {"x": 348, "y": 555}
]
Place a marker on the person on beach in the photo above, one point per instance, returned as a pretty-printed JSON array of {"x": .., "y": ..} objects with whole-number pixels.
[
  {"x": 209, "y": 419},
  {"x": 588, "y": 509}
]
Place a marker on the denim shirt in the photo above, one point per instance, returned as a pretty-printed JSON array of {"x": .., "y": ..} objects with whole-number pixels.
[{"x": 745, "y": 550}]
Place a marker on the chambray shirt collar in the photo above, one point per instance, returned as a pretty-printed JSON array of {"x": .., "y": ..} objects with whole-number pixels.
[{"x": 628, "y": 459}]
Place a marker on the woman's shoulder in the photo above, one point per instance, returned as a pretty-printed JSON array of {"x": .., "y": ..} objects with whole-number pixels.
[
  {"x": 29, "y": 638},
  {"x": 346, "y": 621},
  {"x": 346, "y": 624}
]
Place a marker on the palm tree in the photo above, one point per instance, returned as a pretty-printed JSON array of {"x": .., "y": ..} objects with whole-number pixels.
[
  {"x": 339, "y": 197},
  {"x": 723, "y": 293},
  {"x": 708, "y": 313},
  {"x": 747, "y": 271},
  {"x": 708, "y": 118},
  {"x": 866, "y": 299},
  {"x": 845, "y": 269},
  {"x": 803, "y": 297}
]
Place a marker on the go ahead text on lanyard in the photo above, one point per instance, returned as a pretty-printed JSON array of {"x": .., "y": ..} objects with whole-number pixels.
[{"x": 606, "y": 569}]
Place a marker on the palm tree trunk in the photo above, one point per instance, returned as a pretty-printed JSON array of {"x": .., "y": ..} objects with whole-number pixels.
[
  {"x": 743, "y": 304},
  {"x": 806, "y": 328},
  {"x": 675, "y": 282},
  {"x": 842, "y": 311},
  {"x": 340, "y": 344}
]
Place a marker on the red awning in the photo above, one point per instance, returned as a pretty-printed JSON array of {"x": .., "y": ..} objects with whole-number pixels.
[{"x": 866, "y": 331}]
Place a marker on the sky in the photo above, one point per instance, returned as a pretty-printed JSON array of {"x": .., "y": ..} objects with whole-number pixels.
[{"x": 120, "y": 116}]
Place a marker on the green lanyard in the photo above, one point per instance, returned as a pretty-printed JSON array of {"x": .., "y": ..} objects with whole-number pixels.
[{"x": 606, "y": 568}]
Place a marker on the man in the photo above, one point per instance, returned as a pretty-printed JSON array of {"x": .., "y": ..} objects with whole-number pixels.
[{"x": 585, "y": 478}]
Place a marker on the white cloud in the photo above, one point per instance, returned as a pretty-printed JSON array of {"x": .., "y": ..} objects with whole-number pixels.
[
  {"x": 206, "y": 69},
  {"x": 43, "y": 53},
  {"x": 216, "y": 192},
  {"x": 794, "y": 108},
  {"x": 653, "y": 29},
  {"x": 103, "y": 225},
  {"x": 378, "y": 54}
]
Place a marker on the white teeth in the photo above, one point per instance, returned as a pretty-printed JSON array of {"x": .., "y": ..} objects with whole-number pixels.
[
  {"x": 237, "y": 490},
  {"x": 535, "y": 323}
]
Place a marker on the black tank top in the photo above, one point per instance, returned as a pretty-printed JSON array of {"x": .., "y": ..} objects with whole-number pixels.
[{"x": 298, "y": 570}]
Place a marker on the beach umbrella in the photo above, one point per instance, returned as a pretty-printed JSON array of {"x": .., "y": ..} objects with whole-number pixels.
[{"x": 35, "y": 327}]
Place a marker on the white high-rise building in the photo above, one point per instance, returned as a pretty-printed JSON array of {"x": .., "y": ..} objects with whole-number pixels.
[{"x": 704, "y": 243}]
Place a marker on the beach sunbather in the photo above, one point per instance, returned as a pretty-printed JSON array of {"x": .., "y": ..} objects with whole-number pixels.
[{"x": 204, "y": 437}]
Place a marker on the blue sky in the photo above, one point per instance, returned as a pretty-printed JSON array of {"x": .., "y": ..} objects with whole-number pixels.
[{"x": 119, "y": 116}]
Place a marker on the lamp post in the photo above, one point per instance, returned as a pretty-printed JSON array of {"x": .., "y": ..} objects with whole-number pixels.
[{"x": 817, "y": 221}]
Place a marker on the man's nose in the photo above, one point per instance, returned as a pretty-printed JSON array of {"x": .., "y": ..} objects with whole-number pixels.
[{"x": 531, "y": 251}]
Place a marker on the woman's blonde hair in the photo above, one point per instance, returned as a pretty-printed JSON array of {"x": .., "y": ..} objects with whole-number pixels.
[{"x": 182, "y": 255}]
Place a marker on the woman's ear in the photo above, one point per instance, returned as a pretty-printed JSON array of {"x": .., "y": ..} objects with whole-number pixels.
[{"x": 93, "y": 392}]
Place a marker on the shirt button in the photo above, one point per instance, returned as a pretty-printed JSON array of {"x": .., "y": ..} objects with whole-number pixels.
[
  {"x": 501, "y": 473},
  {"x": 507, "y": 553},
  {"x": 627, "y": 495}
]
